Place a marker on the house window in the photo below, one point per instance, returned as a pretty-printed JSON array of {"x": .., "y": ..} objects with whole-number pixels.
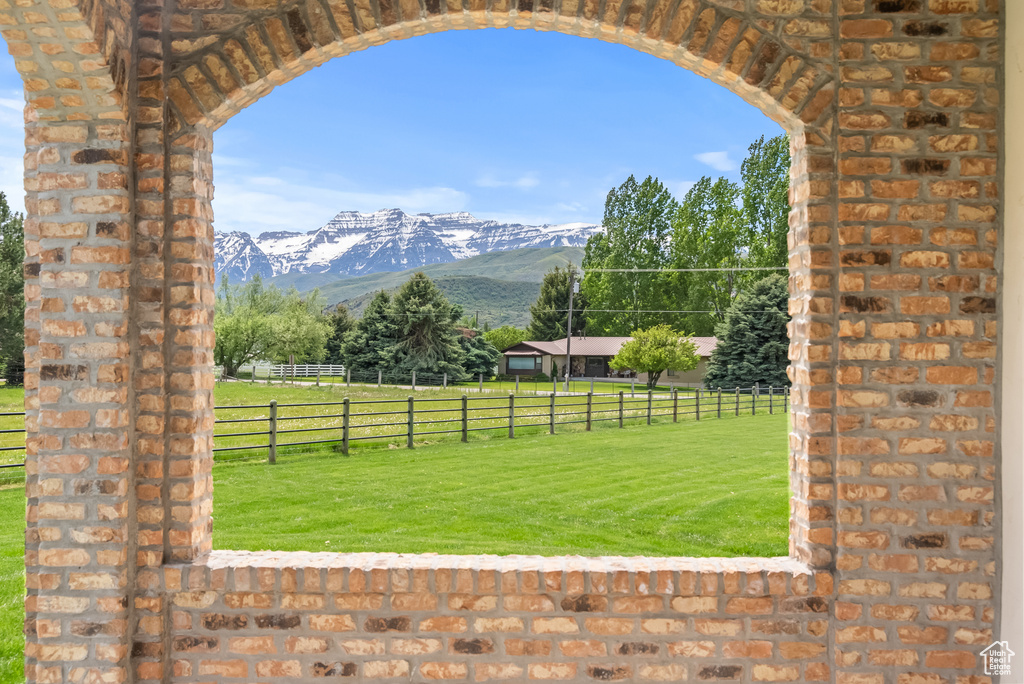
[{"x": 523, "y": 362}]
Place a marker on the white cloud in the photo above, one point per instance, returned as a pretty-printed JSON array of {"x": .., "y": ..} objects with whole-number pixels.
[
  {"x": 717, "y": 160},
  {"x": 680, "y": 188},
  {"x": 260, "y": 203},
  {"x": 523, "y": 182}
]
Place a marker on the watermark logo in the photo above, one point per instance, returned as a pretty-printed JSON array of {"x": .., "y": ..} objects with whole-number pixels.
[{"x": 997, "y": 658}]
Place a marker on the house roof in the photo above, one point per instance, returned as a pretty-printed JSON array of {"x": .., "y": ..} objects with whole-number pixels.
[{"x": 595, "y": 346}]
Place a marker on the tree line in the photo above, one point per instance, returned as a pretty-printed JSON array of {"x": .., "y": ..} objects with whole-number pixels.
[
  {"x": 635, "y": 280},
  {"x": 415, "y": 330}
]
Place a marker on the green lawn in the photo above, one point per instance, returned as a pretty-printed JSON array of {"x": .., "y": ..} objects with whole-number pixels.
[
  {"x": 12, "y": 584},
  {"x": 713, "y": 488}
]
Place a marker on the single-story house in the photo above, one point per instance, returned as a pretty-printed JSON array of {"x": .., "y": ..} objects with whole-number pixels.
[{"x": 590, "y": 357}]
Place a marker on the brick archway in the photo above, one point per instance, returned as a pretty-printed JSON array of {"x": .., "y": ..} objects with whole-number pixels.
[{"x": 894, "y": 113}]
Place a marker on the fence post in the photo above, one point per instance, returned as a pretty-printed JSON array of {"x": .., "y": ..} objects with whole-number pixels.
[
  {"x": 753, "y": 401},
  {"x": 348, "y": 377},
  {"x": 591, "y": 385},
  {"x": 481, "y": 382},
  {"x": 590, "y": 403},
  {"x": 771, "y": 391},
  {"x": 317, "y": 377},
  {"x": 552, "y": 416},
  {"x": 554, "y": 384},
  {"x": 517, "y": 383},
  {"x": 785, "y": 400},
  {"x": 632, "y": 387},
  {"x": 345, "y": 412},
  {"x": 445, "y": 381},
  {"x": 697, "y": 404},
  {"x": 273, "y": 431},
  {"x": 620, "y": 408},
  {"x": 414, "y": 381},
  {"x": 650, "y": 399},
  {"x": 412, "y": 415},
  {"x": 465, "y": 418},
  {"x": 253, "y": 378},
  {"x": 511, "y": 416}
]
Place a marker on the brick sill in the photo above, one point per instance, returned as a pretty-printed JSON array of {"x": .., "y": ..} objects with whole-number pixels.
[{"x": 782, "y": 575}]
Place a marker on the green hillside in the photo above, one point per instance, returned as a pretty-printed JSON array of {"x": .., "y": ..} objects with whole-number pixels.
[
  {"x": 499, "y": 302},
  {"x": 525, "y": 265}
]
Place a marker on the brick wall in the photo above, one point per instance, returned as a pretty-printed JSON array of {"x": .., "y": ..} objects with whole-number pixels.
[{"x": 893, "y": 107}]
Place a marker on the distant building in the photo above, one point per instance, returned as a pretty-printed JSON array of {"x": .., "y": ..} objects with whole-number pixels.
[{"x": 590, "y": 357}]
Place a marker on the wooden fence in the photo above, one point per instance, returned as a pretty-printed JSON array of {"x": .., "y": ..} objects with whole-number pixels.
[
  {"x": 404, "y": 420},
  {"x": 295, "y": 427}
]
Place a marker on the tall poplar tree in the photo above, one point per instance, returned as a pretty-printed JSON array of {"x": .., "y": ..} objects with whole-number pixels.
[
  {"x": 708, "y": 234},
  {"x": 765, "y": 194},
  {"x": 549, "y": 315},
  {"x": 637, "y": 232}
]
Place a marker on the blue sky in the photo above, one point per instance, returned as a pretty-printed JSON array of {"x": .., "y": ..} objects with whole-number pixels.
[{"x": 511, "y": 125}]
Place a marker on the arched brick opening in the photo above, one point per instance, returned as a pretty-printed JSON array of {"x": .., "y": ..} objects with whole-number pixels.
[{"x": 894, "y": 109}]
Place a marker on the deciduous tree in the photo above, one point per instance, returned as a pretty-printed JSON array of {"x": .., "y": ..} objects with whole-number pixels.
[
  {"x": 708, "y": 229},
  {"x": 765, "y": 195},
  {"x": 254, "y": 322},
  {"x": 637, "y": 233},
  {"x": 506, "y": 336},
  {"x": 655, "y": 350}
]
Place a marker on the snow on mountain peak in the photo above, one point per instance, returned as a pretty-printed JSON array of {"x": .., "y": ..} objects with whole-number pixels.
[{"x": 355, "y": 243}]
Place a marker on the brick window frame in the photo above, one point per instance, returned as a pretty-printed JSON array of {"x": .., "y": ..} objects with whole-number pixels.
[{"x": 894, "y": 114}]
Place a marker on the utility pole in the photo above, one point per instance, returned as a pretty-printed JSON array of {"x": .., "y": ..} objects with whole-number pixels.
[{"x": 568, "y": 330}]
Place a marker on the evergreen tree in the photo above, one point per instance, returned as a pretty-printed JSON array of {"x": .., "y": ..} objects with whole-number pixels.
[
  {"x": 426, "y": 339},
  {"x": 549, "y": 315},
  {"x": 12, "y": 294},
  {"x": 479, "y": 355},
  {"x": 341, "y": 323},
  {"x": 753, "y": 342},
  {"x": 369, "y": 347},
  {"x": 637, "y": 232}
]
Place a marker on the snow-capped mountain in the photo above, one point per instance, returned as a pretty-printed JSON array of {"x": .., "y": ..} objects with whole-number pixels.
[{"x": 354, "y": 244}]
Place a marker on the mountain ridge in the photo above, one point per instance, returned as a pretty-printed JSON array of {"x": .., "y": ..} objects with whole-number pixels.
[
  {"x": 527, "y": 265},
  {"x": 355, "y": 244}
]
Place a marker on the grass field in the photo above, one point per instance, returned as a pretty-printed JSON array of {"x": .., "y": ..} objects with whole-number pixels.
[
  {"x": 713, "y": 488},
  {"x": 12, "y": 584}
]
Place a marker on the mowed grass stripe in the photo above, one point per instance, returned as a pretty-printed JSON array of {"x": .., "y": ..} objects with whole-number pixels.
[{"x": 714, "y": 488}]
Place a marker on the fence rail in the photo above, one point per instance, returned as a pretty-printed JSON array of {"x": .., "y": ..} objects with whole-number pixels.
[
  {"x": 339, "y": 374},
  {"x": 288, "y": 426}
]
